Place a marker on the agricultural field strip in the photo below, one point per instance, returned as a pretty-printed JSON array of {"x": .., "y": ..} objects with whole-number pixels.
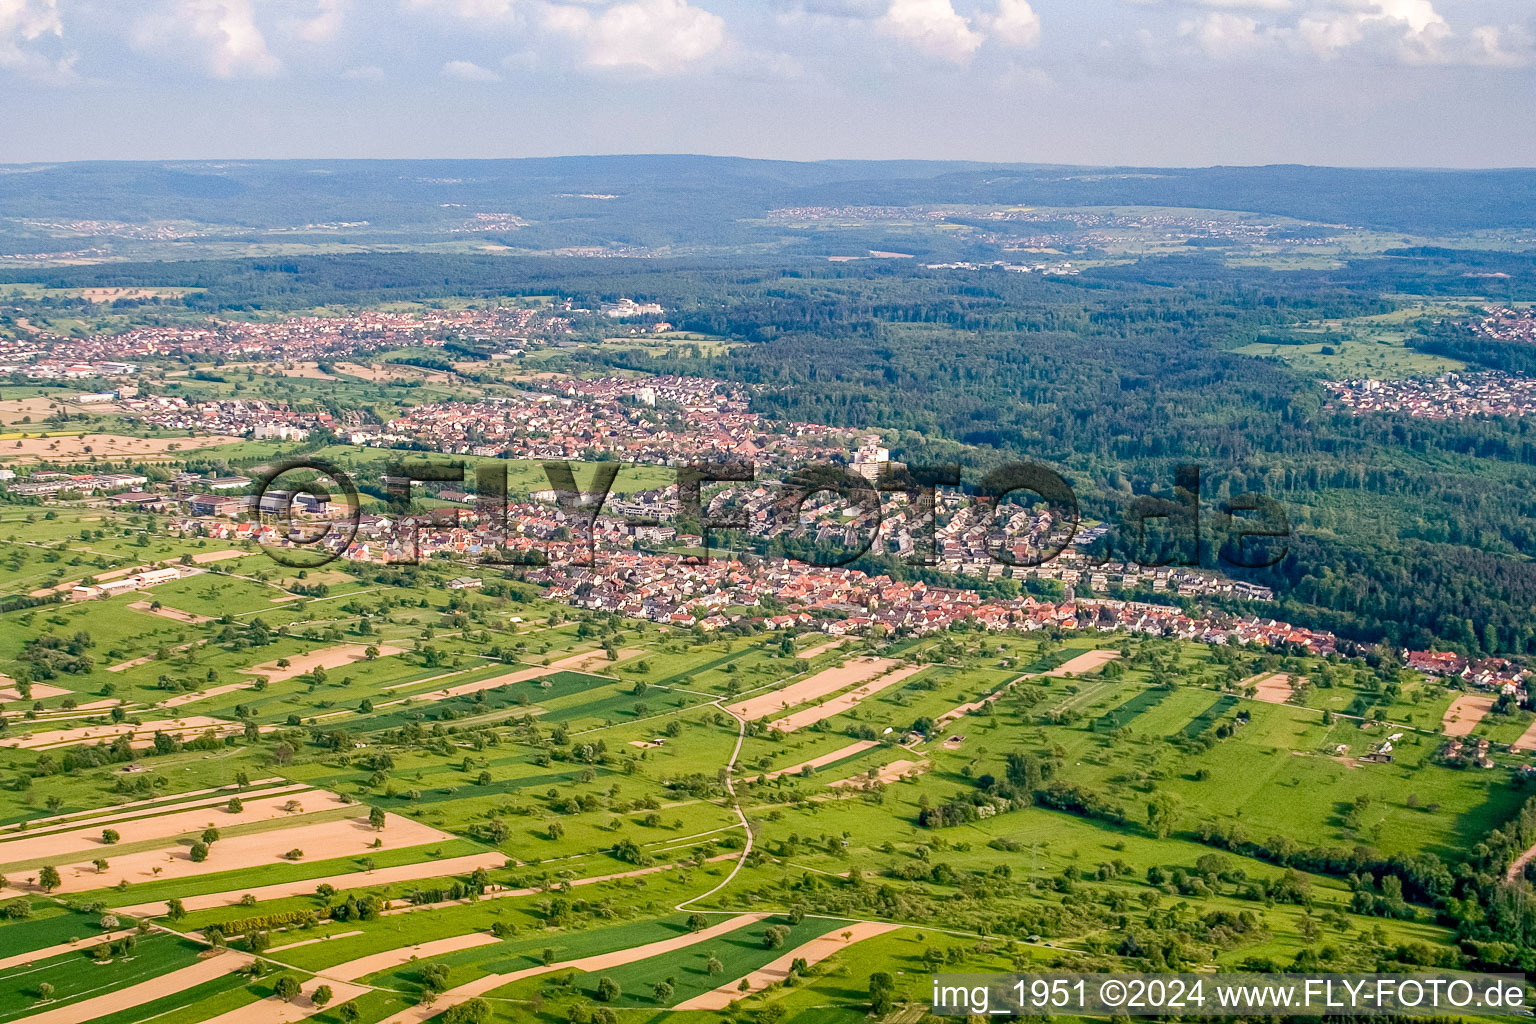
[
  {"x": 157, "y": 803},
  {"x": 1465, "y": 713},
  {"x": 814, "y": 687},
  {"x": 573, "y": 883},
  {"x": 273, "y": 1010},
  {"x": 845, "y": 702},
  {"x": 256, "y": 850},
  {"x": 313, "y": 942},
  {"x": 71, "y": 737},
  {"x": 165, "y": 825},
  {"x": 354, "y": 970},
  {"x": 480, "y": 986},
  {"x": 210, "y": 967},
  {"x": 63, "y": 948},
  {"x": 568, "y": 664},
  {"x": 812, "y": 952},
  {"x": 832, "y": 757},
  {"x": 306, "y": 886}
]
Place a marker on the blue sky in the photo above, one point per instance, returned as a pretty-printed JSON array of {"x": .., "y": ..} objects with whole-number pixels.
[{"x": 1152, "y": 82}]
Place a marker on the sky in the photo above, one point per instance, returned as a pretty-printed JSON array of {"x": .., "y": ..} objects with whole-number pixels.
[{"x": 1420, "y": 83}]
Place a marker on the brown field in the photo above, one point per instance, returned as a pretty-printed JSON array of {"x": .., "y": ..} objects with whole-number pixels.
[
  {"x": 392, "y": 372},
  {"x": 273, "y": 1010},
  {"x": 364, "y": 966},
  {"x": 327, "y": 658},
  {"x": 813, "y": 952},
  {"x": 892, "y": 772},
  {"x": 305, "y": 370},
  {"x": 1273, "y": 689},
  {"x": 25, "y": 846},
  {"x": 14, "y": 410},
  {"x": 191, "y": 698},
  {"x": 213, "y": 965},
  {"x": 1084, "y": 663},
  {"x": 40, "y": 691},
  {"x": 93, "y": 446},
  {"x": 351, "y": 880},
  {"x": 190, "y": 726},
  {"x": 1527, "y": 740},
  {"x": 174, "y": 614},
  {"x": 586, "y": 965},
  {"x": 817, "y": 762},
  {"x": 1465, "y": 712},
  {"x": 812, "y": 652},
  {"x": 103, "y": 816},
  {"x": 204, "y": 557},
  {"x": 320, "y": 841},
  {"x": 828, "y": 680},
  {"x": 838, "y": 705}
]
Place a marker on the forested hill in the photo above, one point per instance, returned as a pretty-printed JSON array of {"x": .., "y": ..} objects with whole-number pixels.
[{"x": 689, "y": 200}]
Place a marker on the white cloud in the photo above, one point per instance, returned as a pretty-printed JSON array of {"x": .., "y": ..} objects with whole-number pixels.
[
  {"x": 1224, "y": 35},
  {"x": 221, "y": 34},
  {"x": 469, "y": 10},
  {"x": 1016, "y": 23},
  {"x": 468, "y": 71},
  {"x": 325, "y": 24},
  {"x": 933, "y": 27},
  {"x": 658, "y": 36},
  {"x": 26, "y": 21}
]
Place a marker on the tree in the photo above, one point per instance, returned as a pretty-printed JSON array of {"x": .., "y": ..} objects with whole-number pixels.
[
  {"x": 199, "y": 852},
  {"x": 348, "y": 1012},
  {"x": 286, "y": 988},
  {"x": 662, "y": 992},
  {"x": 49, "y": 878},
  {"x": 882, "y": 993},
  {"x": 774, "y": 936},
  {"x": 714, "y": 966},
  {"x": 470, "y": 1011},
  {"x": 109, "y": 836},
  {"x": 321, "y": 995},
  {"x": 44, "y": 991},
  {"x": 556, "y": 830},
  {"x": 235, "y": 805},
  {"x": 1162, "y": 814},
  {"x": 697, "y": 922},
  {"x": 174, "y": 909},
  {"x": 100, "y": 864},
  {"x": 376, "y": 818},
  {"x": 210, "y": 836},
  {"x": 608, "y": 990}
]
